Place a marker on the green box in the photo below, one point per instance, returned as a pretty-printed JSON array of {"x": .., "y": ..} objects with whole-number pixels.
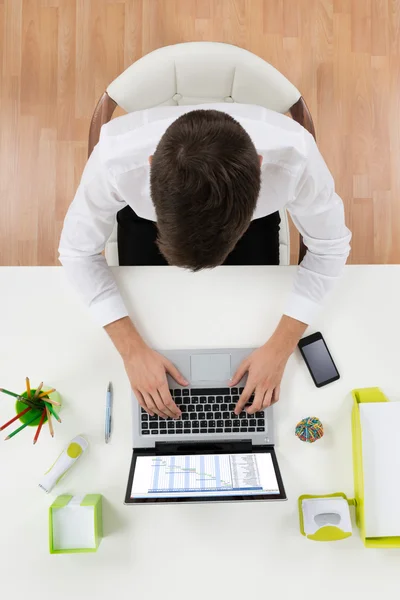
[{"x": 75, "y": 524}]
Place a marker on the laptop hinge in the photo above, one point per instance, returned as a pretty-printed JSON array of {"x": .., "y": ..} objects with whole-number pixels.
[{"x": 202, "y": 447}]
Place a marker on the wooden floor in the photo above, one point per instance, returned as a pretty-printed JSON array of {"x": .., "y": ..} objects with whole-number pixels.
[{"x": 57, "y": 57}]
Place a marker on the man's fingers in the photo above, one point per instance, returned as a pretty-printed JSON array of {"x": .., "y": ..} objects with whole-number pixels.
[
  {"x": 267, "y": 398},
  {"x": 151, "y": 405},
  {"x": 240, "y": 372},
  {"x": 247, "y": 392},
  {"x": 169, "y": 405},
  {"x": 276, "y": 394},
  {"x": 257, "y": 402},
  {"x": 141, "y": 401},
  {"x": 166, "y": 413},
  {"x": 173, "y": 371}
]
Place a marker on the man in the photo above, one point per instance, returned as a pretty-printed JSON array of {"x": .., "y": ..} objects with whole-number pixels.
[{"x": 198, "y": 187}]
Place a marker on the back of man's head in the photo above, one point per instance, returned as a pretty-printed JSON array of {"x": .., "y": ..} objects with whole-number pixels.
[{"x": 205, "y": 181}]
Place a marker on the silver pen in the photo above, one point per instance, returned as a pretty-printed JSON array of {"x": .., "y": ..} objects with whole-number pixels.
[{"x": 107, "y": 432}]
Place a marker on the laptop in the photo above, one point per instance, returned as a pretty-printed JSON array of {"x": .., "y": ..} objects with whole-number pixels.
[{"x": 209, "y": 454}]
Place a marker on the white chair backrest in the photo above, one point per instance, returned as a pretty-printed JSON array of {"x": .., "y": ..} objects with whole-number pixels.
[
  {"x": 200, "y": 72},
  {"x": 197, "y": 73}
]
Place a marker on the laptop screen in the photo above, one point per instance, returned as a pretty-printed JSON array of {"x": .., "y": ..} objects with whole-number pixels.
[{"x": 205, "y": 476}]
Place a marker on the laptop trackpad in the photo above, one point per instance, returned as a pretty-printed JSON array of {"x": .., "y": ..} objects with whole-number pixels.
[{"x": 210, "y": 367}]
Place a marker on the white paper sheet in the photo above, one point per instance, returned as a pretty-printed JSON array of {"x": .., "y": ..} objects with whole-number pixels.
[
  {"x": 380, "y": 425},
  {"x": 73, "y": 527}
]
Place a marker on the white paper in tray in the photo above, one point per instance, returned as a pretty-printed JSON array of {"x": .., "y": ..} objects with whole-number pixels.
[
  {"x": 321, "y": 512},
  {"x": 380, "y": 426},
  {"x": 73, "y": 527}
]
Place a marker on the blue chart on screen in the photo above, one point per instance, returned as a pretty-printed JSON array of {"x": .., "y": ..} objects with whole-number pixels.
[{"x": 204, "y": 473}]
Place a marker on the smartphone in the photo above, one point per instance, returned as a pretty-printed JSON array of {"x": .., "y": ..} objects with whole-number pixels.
[{"x": 318, "y": 359}]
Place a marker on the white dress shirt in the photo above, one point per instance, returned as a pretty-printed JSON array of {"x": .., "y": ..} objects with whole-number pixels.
[{"x": 294, "y": 176}]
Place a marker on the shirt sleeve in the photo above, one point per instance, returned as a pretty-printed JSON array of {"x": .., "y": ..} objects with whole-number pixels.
[
  {"x": 87, "y": 227},
  {"x": 318, "y": 213}
]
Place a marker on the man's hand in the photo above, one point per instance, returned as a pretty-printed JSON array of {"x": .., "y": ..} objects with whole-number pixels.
[
  {"x": 147, "y": 370},
  {"x": 265, "y": 366}
]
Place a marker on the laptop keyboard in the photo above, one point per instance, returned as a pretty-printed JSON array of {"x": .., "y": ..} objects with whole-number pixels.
[{"x": 205, "y": 411}]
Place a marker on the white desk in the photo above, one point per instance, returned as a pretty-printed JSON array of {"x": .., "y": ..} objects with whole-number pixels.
[{"x": 218, "y": 551}]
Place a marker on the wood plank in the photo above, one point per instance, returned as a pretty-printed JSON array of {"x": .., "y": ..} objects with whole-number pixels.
[
  {"x": 291, "y": 17},
  {"x": 46, "y": 165},
  {"x": 30, "y": 41},
  {"x": 133, "y": 36},
  {"x": 379, "y": 27},
  {"x": 361, "y": 25},
  {"x": 69, "y": 73},
  {"x": 11, "y": 38},
  {"x": 24, "y": 210},
  {"x": 48, "y": 93},
  {"x": 83, "y": 84},
  {"x": 380, "y": 150},
  {"x": 363, "y": 244},
  {"x": 273, "y": 17},
  {"x": 383, "y": 230}
]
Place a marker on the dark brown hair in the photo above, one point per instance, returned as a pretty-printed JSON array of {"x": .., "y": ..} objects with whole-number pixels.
[{"x": 205, "y": 181}]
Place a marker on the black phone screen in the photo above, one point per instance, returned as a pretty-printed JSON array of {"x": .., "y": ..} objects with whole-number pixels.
[{"x": 319, "y": 362}]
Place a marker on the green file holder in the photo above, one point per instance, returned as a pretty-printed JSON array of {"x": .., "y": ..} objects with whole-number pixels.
[
  {"x": 77, "y": 529},
  {"x": 330, "y": 533},
  {"x": 360, "y": 396}
]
